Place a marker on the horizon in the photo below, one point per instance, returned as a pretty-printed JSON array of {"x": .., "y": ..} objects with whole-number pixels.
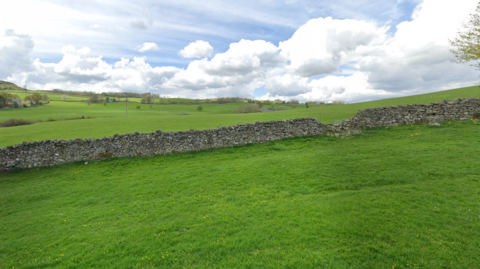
[{"x": 290, "y": 50}]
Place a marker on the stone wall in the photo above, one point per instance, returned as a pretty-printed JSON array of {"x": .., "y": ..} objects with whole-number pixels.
[
  {"x": 458, "y": 109},
  {"x": 52, "y": 152}
]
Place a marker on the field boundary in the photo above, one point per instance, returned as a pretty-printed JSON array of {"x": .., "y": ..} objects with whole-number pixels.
[{"x": 53, "y": 152}]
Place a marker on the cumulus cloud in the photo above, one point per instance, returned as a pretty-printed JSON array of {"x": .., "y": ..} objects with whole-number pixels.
[
  {"x": 287, "y": 85},
  {"x": 14, "y": 53},
  {"x": 322, "y": 45},
  {"x": 238, "y": 71},
  {"x": 197, "y": 49},
  {"x": 148, "y": 46},
  {"x": 417, "y": 57},
  {"x": 80, "y": 70}
]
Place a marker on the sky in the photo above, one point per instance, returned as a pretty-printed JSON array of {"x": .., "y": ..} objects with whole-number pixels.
[{"x": 321, "y": 50}]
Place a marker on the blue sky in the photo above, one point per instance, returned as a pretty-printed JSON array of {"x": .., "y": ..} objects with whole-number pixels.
[{"x": 266, "y": 49}]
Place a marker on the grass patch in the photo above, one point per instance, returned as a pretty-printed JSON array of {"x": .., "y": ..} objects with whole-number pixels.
[{"x": 401, "y": 197}]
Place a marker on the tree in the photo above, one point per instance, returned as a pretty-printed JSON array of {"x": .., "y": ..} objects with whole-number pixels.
[
  {"x": 45, "y": 98},
  {"x": 293, "y": 103},
  {"x": 64, "y": 97},
  {"x": 95, "y": 98},
  {"x": 35, "y": 98},
  {"x": 147, "y": 98},
  {"x": 466, "y": 46},
  {"x": 105, "y": 103},
  {"x": 89, "y": 101},
  {"x": 199, "y": 108},
  {"x": 6, "y": 98},
  {"x": 29, "y": 99}
]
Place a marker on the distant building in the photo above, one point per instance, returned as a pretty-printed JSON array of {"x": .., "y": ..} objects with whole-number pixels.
[{"x": 19, "y": 102}]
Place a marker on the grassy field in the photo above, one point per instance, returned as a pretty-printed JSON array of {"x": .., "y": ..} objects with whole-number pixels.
[
  {"x": 397, "y": 197},
  {"x": 109, "y": 120}
]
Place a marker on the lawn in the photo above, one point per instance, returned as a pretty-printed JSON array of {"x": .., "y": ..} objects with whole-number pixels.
[
  {"x": 111, "y": 119},
  {"x": 397, "y": 197}
]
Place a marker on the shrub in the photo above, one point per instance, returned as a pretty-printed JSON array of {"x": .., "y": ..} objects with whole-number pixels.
[
  {"x": 306, "y": 105},
  {"x": 15, "y": 104},
  {"x": 138, "y": 107},
  {"x": 25, "y": 105},
  {"x": 250, "y": 108},
  {"x": 16, "y": 122},
  {"x": 199, "y": 108},
  {"x": 50, "y": 119}
]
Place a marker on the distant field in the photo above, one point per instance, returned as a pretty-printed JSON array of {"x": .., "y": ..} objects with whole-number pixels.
[
  {"x": 111, "y": 119},
  {"x": 397, "y": 197}
]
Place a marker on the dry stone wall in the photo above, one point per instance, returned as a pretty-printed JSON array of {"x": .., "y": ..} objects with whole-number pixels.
[
  {"x": 52, "y": 152},
  {"x": 458, "y": 109}
]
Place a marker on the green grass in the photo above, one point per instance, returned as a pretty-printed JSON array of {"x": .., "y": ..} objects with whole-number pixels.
[
  {"x": 110, "y": 119},
  {"x": 397, "y": 197}
]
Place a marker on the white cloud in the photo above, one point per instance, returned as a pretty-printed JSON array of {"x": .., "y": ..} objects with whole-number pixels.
[
  {"x": 417, "y": 57},
  {"x": 79, "y": 70},
  {"x": 321, "y": 45},
  {"x": 148, "y": 46},
  {"x": 237, "y": 72},
  {"x": 287, "y": 85},
  {"x": 95, "y": 26},
  {"x": 197, "y": 49},
  {"x": 14, "y": 53},
  {"x": 415, "y": 60}
]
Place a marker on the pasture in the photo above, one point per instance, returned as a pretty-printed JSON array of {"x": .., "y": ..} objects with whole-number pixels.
[{"x": 397, "y": 197}]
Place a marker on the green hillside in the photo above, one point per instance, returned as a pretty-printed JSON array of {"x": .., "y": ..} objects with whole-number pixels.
[
  {"x": 398, "y": 197},
  {"x": 109, "y": 120}
]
